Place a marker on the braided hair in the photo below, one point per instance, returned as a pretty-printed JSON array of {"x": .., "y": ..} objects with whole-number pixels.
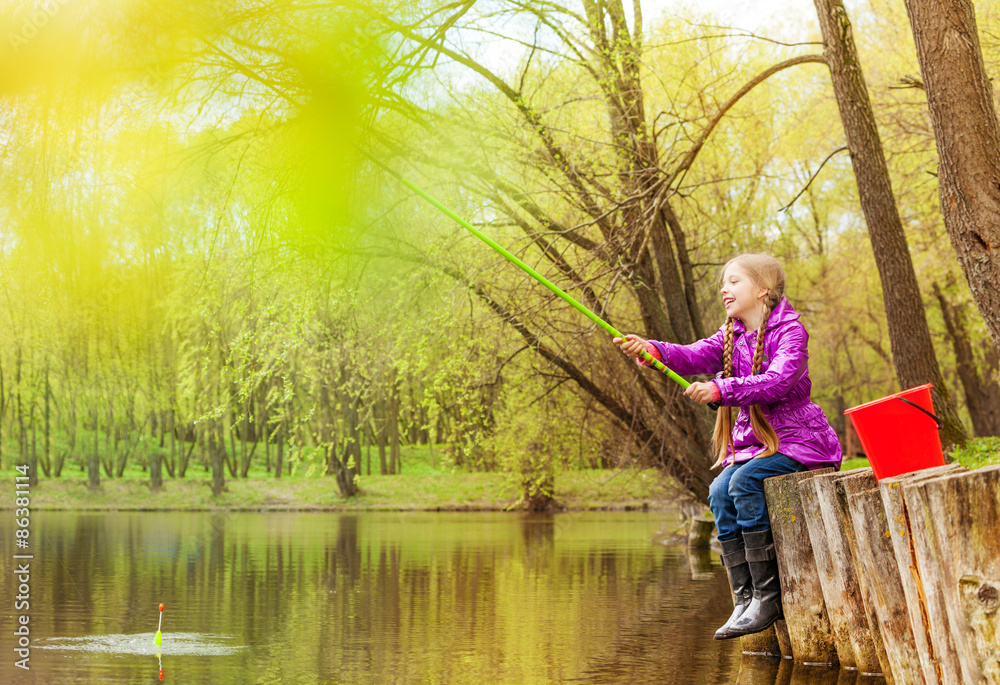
[{"x": 764, "y": 271}]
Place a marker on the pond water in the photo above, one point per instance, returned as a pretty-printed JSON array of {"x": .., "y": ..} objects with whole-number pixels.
[{"x": 373, "y": 598}]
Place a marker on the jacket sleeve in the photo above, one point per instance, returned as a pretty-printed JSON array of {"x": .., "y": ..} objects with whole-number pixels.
[
  {"x": 787, "y": 366},
  {"x": 704, "y": 356}
]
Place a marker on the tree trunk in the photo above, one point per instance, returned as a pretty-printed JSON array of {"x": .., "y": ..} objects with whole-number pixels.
[
  {"x": 22, "y": 432},
  {"x": 3, "y": 412},
  {"x": 35, "y": 462},
  {"x": 215, "y": 449},
  {"x": 72, "y": 429},
  {"x": 367, "y": 445},
  {"x": 184, "y": 458},
  {"x": 281, "y": 450},
  {"x": 244, "y": 438},
  {"x": 94, "y": 464},
  {"x": 109, "y": 455},
  {"x": 382, "y": 436},
  {"x": 392, "y": 426},
  {"x": 201, "y": 446},
  {"x": 172, "y": 462},
  {"x": 244, "y": 452},
  {"x": 982, "y": 396},
  {"x": 344, "y": 456},
  {"x": 155, "y": 471},
  {"x": 47, "y": 433},
  {"x": 230, "y": 460},
  {"x": 912, "y": 350},
  {"x": 960, "y": 98},
  {"x": 267, "y": 437},
  {"x": 413, "y": 430}
]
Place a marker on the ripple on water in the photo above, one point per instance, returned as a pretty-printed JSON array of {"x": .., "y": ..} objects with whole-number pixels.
[{"x": 188, "y": 644}]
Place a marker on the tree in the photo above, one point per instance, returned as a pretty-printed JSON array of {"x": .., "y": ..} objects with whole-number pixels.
[
  {"x": 605, "y": 225},
  {"x": 982, "y": 392},
  {"x": 912, "y": 349},
  {"x": 960, "y": 100}
]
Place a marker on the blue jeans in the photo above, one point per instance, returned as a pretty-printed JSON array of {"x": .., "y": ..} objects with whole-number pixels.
[{"x": 736, "y": 496}]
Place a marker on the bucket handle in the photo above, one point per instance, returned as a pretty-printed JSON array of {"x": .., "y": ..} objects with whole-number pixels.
[{"x": 914, "y": 404}]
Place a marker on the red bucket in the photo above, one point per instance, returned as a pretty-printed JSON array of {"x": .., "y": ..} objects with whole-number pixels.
[{"x": 899, "y": 432}]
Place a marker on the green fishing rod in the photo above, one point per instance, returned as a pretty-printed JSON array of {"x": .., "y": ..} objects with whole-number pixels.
[{"x": 656, "y": 363}]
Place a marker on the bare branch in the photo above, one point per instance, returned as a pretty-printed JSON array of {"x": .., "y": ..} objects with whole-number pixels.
[
  {"x": 689, "y": 158},
  {"x": 812, "y": 178}
]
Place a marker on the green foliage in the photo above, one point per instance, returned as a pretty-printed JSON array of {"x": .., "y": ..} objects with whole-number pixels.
[
  {"x": 189, "y": 237},
  {"x": 978, "y": 452},
  {"x": 854, "y": 463}
]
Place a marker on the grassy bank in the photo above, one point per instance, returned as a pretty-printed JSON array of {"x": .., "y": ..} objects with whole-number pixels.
[
  {"x": 460, "y": 491},
  {"x": 429, "y": 482}
]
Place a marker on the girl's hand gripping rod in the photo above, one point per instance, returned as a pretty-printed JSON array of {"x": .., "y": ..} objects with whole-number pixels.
[{"x": 656, "y": 363}]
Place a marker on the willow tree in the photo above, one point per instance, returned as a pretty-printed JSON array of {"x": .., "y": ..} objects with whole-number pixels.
[{"x": 595, "y": 205}]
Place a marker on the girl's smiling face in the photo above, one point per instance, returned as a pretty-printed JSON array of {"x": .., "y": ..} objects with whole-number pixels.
[{"x": 742, "y": 299}]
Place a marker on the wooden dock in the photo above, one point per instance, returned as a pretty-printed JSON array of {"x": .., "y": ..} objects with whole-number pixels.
[{"x": 899, "y": 577}]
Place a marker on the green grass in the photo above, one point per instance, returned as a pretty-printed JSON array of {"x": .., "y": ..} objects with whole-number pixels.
[
  {"x": 854, "y": 463},
  {"x": 978, "y": 452},
  {"x": 430, "y": 481}
]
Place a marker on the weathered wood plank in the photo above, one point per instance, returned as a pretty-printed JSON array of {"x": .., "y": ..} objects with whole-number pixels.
[
  {"x": 801, "y": 594},
  {"x": 784, "y": 642},
  {"x": 878, "y": 562},
  {"x": 939, "y": 662},
  {"x": 845, "y": 590},
  {"x": 851, "y": 484},
  {"x": 831, "y": 584},
  {"x": 961, "y": 526},
  {"x": 925, "y": 552}
]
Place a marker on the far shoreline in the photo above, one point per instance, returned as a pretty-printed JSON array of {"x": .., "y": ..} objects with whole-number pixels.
[{"x": 575, "y": 491}]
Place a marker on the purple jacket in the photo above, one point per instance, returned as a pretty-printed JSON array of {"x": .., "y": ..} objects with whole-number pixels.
[{"x": 781, "y": 388}]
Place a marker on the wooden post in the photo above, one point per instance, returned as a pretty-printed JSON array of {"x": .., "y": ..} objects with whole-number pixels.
[
  {"x": 700, "y": 532},
  {"x": 784, "y": 642},
  {"x": 875, "y": 558},
  {"x": 848, "y": 484},
  {"x": 801, "y": 594},
  {"x": 829, "y": 580},
  {"x": 938, "y": 660},
  {"x": 764, "y": 643},
  {"x": 925, "y": 557},
  {"x": 961, "y": 519}
]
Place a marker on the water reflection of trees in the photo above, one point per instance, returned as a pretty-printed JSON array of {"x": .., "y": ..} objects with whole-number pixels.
[{"x": 343, "y": 597}]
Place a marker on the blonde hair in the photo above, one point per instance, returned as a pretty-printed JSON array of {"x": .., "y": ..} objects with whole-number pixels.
[{"x": 765, "y": 272}]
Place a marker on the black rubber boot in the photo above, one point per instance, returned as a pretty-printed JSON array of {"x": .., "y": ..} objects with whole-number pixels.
[
  {"x": 765, "y": 608},
  {"x": 740, "y": 581}
]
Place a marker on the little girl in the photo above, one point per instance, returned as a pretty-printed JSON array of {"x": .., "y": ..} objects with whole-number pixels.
[{"x": 760, "y": 359}]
